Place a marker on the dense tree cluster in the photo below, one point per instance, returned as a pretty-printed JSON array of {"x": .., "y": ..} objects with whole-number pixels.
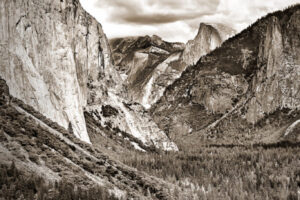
[
  {"x": 15, "y": 184},
  {"x": 228, "y": 172}
]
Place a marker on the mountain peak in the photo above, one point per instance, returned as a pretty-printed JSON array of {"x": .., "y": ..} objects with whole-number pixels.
[
  {"x": 206, "y": 40},
  {"x": 204, "y": 24},
  {"x": 204, "y": 27},
  {"x": 223, "y": 30}
]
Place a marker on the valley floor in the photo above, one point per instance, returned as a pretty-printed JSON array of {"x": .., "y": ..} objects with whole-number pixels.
[{"x": 228, "y": 172}]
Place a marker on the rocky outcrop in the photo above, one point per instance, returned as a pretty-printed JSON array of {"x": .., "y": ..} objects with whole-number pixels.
[
  {"x": 150, "y": 64},
  {"x": 124, "y": 48},
  {"x": 130, "y": 118},
  {"x": 243, "y": 83},
  {"x": 206, "y": 40},
  {"x": 56, "y": 58}
]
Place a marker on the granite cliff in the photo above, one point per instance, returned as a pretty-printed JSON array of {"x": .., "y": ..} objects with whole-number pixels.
[
  {"x": 56, "y": 58},
  {"x": 209, "y": 37}
]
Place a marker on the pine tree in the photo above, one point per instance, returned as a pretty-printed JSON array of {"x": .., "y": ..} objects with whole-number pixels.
[{"x": 70, "y": 128}]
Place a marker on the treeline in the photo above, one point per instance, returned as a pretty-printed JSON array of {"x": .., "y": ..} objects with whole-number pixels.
[{"x": 228, "y": 173}]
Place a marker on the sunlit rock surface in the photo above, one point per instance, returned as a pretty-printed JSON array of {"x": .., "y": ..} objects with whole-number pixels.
[
  {"x": 131, "y": 118},
  {"x": 44, "y": 57},
  {"x": 206, "y": 40}
]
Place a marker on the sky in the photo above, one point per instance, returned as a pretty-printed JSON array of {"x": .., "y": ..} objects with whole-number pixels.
[{"x": 176, "y": 20}]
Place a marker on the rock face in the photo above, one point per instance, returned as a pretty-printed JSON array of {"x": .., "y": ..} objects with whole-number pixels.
[
  {"x": 276, "y": 83},
  {"x": 241, "y": 85},
  {"x": 141, "y": 61},
  {"x": 56, "y": 58},
  {"x": 149, "y": 64},
  {"x": 39, "y": 54},
  {"x": 206, "y": 40},
  {"x": 121, "y": 114}
]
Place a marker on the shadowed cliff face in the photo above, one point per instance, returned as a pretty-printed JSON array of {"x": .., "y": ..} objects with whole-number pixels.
[
  {"x": 56, "y": 58},
  {"x": 248, "y": 78},
  {"x": 149, "y": 64}
]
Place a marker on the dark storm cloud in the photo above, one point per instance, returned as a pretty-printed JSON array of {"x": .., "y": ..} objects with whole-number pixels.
[
  {"x": 158, "y": 18},
  {"x": 157, "y": 11},
  {"x": 181, "y": 4}
]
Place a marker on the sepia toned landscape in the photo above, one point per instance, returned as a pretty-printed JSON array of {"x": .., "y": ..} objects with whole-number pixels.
[{"x": 84, "y": 116}]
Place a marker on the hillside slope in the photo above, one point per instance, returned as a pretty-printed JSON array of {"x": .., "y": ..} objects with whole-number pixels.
[
  {"x": 246, "y": 90},
  {"x": 39, "y": 147}
]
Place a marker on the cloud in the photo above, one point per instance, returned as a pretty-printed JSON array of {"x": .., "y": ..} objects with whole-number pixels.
[
  {"x": 154, "y": 11},
  {"x": 159, "y": 18},
  {"x": 241, "y": 14},
  {"x": 176, "y": 20}
]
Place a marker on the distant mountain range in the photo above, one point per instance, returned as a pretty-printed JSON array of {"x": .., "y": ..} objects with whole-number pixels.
[{"x": 148, "y": 64}]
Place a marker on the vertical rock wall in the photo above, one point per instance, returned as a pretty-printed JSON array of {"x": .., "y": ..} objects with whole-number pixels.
[{"x": 276, "y": 84}]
